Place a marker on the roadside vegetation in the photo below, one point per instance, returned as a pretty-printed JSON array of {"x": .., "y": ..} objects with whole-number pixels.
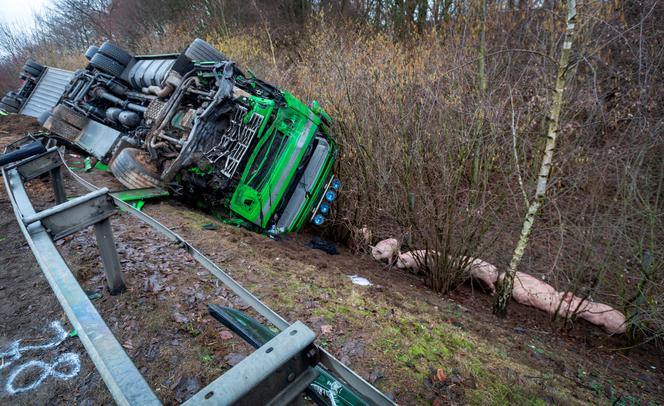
[{"x": 442, "y": 109}]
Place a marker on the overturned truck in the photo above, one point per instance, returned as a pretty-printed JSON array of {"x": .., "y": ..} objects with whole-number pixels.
[{"x": 195, "y": 125}]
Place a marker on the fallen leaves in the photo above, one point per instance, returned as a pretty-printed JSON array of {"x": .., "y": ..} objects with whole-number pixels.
[
  {"x": 226, "y": 335},
  {"x": 180, "y": 318}
]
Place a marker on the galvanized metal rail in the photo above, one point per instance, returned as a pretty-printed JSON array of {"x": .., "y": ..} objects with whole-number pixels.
[{"x": 125, "y": 383}]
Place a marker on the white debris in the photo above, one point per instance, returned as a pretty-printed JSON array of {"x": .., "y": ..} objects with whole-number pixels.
[{"x": 359, "y": 280}]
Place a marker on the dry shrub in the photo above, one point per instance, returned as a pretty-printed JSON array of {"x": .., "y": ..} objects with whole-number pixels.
[
  {"x": 409, "y": 157},
  {"x": 53, "y": 55},
  {"x": 408, "y": 152}
]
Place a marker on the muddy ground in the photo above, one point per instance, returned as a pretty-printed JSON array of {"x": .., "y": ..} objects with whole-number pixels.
[{"x": 396, "y": 333}]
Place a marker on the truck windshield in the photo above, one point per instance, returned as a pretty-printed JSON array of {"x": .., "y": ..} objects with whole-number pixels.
[{"x": 266, "y": 159}]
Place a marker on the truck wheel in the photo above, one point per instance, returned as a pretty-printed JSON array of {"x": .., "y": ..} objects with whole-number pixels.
[
  {"x": 34, "y": 65},
  {"x": 115, "y": 53},
  {"x": 106, "y": 64},
  {"x": 8, "y": 108},
  {"x": 33, "y": 68},
  {"x": 92, "y": 50},
  {"x": 31, "y": 71},
  {"x": 70, "y": 116},
  {"x": 132, "y": 167},
  {"x": 200, "y": 50},
  {"x": 11, "y": 100}
]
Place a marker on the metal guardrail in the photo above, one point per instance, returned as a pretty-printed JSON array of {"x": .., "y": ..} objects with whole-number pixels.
[
  {"x": 255, "y": 380},
  {"x": 126, "y": 384}
]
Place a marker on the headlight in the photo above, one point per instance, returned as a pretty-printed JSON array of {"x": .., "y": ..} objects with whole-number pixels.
[
  {"x": 336, "y": 184},
  {"x": 324, "y": 208},
  {"x": 319, "y": 219},
  {"x": 330, "y": 195}
]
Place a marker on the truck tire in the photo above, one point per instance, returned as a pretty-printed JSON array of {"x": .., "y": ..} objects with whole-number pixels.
[
  {"x": 31, "y": 71},
  {"x": 11, "y": 100},
  {"x": 106, "y": 64},
  {"x": 200, "y": 50},
  {"x": 34, "y": 65},
  {"x": 132, "y": 167},
  {"x": 91, "y": 51},
  {"x": 61, "y": 128},
  {"x": 8, "y": 108},
  {"x": 115, "y": 52},
  {"x": 70, "y": 116}
]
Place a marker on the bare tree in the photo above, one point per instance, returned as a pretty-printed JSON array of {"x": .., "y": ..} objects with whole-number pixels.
[{"x": 504, "y": 292}]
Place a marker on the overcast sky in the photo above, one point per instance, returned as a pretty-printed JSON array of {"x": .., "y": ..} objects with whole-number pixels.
[{"x": 20, "y": 11}]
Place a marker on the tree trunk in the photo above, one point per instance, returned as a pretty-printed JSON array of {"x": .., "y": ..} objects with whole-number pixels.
[
  {"x": 505, "y": 287},
  {"x": 482, "y": 82}
]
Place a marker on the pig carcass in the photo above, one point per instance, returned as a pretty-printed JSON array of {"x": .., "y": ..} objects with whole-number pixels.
[
  {"x": 414, "y": 259},
  {"x": 484, "y": 272},
  {"x": 599, "y": 314},
  {"x": 477, "y": 269},
  {"x": 385, "y": 249},
  {"x": 531, "y": 291}
]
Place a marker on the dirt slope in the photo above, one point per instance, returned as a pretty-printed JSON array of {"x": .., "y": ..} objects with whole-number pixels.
[{"x": 395, "y": 333}]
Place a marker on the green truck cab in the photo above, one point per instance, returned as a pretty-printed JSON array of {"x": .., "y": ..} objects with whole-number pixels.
[{"x": 288, "y": 174}]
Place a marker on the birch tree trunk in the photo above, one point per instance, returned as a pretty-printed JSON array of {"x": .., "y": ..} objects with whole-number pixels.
[
  {"x": 482, "y": 84},
  {"x": 505, "y": 287}
]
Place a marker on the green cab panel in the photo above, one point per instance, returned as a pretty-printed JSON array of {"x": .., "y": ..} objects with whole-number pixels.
[{"x": 274, "y": 165}]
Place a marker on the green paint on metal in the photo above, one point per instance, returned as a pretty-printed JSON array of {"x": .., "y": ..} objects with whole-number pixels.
[
  {"x": 140, "y": 194},
  {"x": 255, "y": 333},
  {"x": 101, "y": 167},
  {"x": 272, "y": 167},
  {"x": 202, "y": 172},
  {"x": 88, "y": 164}
]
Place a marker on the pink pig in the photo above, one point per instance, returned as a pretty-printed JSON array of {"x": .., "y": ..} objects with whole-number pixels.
[
  {"x": 533, "y": 292},
  {"x": 385, "y": 249},
  {"x": 414, "y": 259},
  {"x": 485, "y": 272},
  {"x": 605, "y": 316},
  {"x": 530, "y": 291}
]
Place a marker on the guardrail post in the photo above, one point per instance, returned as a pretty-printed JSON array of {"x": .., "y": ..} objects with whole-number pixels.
[
  {"x": 109, "y": 256},
  {"x": 58, "y": 185},
  {"x": 93, "y": 209}
]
